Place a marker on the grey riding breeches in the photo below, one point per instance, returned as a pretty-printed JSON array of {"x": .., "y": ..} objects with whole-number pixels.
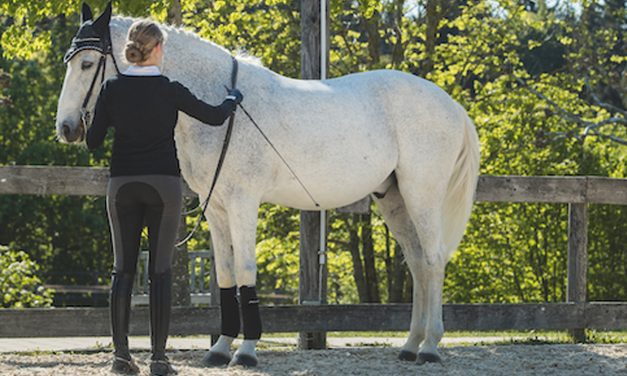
[{"x": 136, "y": 201}]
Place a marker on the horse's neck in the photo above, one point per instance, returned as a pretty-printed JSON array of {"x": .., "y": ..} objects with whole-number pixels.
[{"x": 205, "y": 71}]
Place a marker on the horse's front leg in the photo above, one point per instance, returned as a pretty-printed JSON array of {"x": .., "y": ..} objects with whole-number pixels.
[
  {"x": 220, "y": 352},
  {"x": 242, "y": 215}
]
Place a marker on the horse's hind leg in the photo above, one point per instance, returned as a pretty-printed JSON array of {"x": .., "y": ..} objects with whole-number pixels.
[
  {"x": 397, "y": 219},
  {"x": 424, "y": 197}
]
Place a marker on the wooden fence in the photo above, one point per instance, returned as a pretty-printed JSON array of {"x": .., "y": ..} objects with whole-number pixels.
[
  {"x": 199, "y": 287},
  {"x": 574, "y": 315}
]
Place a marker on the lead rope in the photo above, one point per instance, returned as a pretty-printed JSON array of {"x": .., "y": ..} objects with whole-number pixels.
[
  {"x": 280, "y": 156},
  {"x": 225, "y": 147}
]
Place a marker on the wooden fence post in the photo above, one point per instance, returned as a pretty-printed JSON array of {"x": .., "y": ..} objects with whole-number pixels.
[
  {"x": 577, "y": 259},
  {"x": 309, "y": 281},
  {"x": 311, "y": 275}
]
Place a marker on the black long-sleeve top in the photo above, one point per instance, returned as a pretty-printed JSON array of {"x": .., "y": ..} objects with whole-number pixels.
[{"x": 143, "y": 110}]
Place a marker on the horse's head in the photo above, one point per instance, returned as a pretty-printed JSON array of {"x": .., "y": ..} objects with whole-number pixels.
[{"x": 85, "y": 68}]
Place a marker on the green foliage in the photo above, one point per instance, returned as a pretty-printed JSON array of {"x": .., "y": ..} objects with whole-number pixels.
[
  {"x": 489, "y": 55},
  {"x": 19, "y": 283}
]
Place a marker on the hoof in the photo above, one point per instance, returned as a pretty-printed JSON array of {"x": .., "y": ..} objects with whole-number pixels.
[
  {"x": 244, "y": 360},
  {"x": 407, "y": 356},
  {"x": 428, "y": 358},
  {"x": 215, "y": 359}
]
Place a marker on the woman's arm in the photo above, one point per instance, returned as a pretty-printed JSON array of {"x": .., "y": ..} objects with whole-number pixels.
[
  {"x": 196, "y": 108},
  {"x": 98, "y": 129}
]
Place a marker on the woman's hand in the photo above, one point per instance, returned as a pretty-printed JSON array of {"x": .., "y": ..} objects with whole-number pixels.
[{"x": 235, "y": 95}]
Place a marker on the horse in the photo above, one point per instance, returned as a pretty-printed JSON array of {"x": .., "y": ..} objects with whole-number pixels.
[{"x": 388, "y": 134}]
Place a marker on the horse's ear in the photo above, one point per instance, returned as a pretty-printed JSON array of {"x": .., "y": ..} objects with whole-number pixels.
[
  {"x": 102, "y": 23},
  {"x": 86, "y": 14}
]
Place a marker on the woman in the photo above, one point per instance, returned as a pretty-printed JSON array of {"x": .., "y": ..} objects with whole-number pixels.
[{"x": 145, "y": 186}]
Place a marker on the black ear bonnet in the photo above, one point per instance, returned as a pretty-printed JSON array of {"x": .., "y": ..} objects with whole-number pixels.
[{"x": 92, "y": 34}]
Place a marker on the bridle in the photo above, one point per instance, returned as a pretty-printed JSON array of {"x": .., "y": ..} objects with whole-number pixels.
[{"x": 105, "y": 47}]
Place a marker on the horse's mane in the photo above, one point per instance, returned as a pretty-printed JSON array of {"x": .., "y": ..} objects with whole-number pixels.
[{"x": 241, "y": 54}]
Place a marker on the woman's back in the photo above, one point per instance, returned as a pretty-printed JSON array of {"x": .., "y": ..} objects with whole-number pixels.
[{"x": 143, "y": 113}]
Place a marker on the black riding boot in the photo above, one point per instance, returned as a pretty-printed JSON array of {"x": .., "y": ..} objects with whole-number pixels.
[
  {"x": 120, "y": 305},
  {"x": 160, "y": 307}
]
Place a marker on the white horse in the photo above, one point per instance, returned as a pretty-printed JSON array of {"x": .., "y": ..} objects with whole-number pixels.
[{"x": 386, "y": 133}]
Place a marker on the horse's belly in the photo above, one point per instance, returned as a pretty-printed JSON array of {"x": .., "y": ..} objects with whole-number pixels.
[{"x": 334, "y": 171}]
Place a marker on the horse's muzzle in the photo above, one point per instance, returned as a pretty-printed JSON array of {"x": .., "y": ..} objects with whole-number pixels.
[{"x": 72, "y": 134}]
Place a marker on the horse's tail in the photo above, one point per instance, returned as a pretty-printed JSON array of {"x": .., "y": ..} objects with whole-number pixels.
[{"x": 461, "y": 188}]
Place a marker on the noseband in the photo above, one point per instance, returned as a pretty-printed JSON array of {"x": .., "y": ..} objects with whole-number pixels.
[{"x": 105, "y": 47}]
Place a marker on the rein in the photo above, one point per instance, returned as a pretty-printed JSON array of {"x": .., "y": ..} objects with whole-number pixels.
[
  {"x": 280, "y": 156},
  {"x": 225, "y": 147}
]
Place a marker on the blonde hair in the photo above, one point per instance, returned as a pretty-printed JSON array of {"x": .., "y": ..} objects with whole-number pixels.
[{"x": 142, "y": 37}]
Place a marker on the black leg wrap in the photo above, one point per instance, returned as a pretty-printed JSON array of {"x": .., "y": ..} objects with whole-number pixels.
[
  {"x": 120, "y": 305},
  {"x": 160, "y": 308},
  {"x": 229, "y": 308},
  {"x": 250, "y": 312}
]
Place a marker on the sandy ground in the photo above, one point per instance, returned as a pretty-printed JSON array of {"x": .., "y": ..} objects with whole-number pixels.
[{"x": 510, "y": 360}]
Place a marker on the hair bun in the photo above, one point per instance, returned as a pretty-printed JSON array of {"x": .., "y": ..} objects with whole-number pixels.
[
  {"x": 133, "y": 53},
  {"x": 143, "y": 36}
]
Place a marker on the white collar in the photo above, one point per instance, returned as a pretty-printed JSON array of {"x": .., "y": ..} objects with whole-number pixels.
[{"x": 147, "y": 70}]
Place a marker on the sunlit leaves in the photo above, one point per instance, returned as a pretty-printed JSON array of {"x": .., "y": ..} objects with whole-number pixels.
[{"x": 19, "y": 284}]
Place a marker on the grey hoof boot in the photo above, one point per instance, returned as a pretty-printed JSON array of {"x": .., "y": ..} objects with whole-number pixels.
[
  {"x": 428, "y": 358},
  {"x": 123, "y": 366},
  {"x": 407, "y": 356},
  {"x": 244, "y": 360},
  {"x": 162, "y": 368},
  {"x": 216, "y": 359}
]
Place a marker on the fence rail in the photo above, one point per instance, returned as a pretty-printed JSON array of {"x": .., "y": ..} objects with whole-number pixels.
[
  {"x": 576, "y": 191},
  {"x": 92, "y": 181},
  {"x": 293, "y": 318}
]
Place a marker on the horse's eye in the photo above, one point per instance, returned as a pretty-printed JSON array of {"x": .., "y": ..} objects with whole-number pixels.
[{"x": 86, "y": 65}]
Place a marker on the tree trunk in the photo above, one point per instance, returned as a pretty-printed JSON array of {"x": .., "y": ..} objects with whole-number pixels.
[
  {"x": 370, "y": 271},
  {"x": 389, "y": 268},
  {"x": 353, "y": 247},
  {"x": 175, "y": 16},
  {"x": 372, "y": 26},
  {"x": 398, "y": 51},
  {"x": 432, "y": 19},
  {"x": 399, "y": 274}
]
